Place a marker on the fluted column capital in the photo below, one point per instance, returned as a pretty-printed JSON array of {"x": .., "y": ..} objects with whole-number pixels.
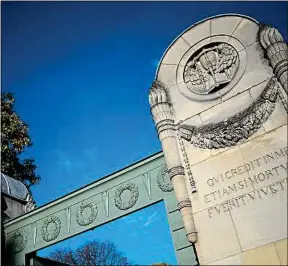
[
  {"x": 161, "y": 110},
  {"x": 268, "y": 35},
  {"x": 276, "y": 51},
  {"x": 158, "y": 94}
]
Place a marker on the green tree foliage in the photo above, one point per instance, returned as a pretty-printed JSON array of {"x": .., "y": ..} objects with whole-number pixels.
[
  {"x": 14, "y": 140},
  {"x": 91, "y": 253}
]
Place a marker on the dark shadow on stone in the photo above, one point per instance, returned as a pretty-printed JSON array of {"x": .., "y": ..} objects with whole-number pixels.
[{"x": 8, "y": 257}]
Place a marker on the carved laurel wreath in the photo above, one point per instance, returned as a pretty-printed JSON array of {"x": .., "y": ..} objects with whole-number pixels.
[
  {"x": 19, "y": 240},
  {"x": 79, "y": 214},
  {"x": 234, "y": 129},
  {"x": 49, "y": 236},
  {"x": 163, "y": 180},
  {"x": 133, "y": 199}
]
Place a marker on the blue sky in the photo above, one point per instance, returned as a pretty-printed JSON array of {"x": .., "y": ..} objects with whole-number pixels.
[{"x": 81, "y": 73}]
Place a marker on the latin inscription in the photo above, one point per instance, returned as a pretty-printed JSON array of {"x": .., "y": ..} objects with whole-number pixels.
[{"x": 249, "y": 182}]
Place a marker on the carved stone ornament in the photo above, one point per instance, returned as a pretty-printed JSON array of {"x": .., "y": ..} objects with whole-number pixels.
[
  {"x": 234, "y": 129},
  {"x": 161, "y": 110},
  {"x": 187, "y": 164},
  {"x": 51, "y": 228},
  {"x": 177, "y": 170},
  {"x": 163, "y": 180},
  {"x": 133, "y": 198},
  {"x": 19, "y": 240},
  {"x": 184, "y": 203},
  {"x": 276, "y": 51},
  {"x": 211, "y": 68},
  {"x": 86, "y": 204},
  {"x": 30, "y": 206}
]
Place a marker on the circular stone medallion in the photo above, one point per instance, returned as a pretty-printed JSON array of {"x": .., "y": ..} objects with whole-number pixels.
[
  {"x": 211, "y": 67},
  {"x": 51, "y": 228},
  {"x": 133, "y": 198},
  {"x": 19, "y": 240},
  {"x": 86, "y": 206}
]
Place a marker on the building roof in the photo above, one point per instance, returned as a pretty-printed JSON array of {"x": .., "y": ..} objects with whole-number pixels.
[{"x": 13, "y": 188}]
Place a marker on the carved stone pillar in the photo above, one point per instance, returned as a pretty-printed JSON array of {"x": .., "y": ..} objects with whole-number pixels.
[
  {"x": 162, "y": 113},
  {"x": 276, "y": 51}
]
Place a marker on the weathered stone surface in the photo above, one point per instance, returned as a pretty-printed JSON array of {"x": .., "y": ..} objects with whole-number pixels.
[
  {"x": 217, "y": 180},
  {"x": 185, "y": 256},
  {"x": 232, "y": 260},
  {"x": 175, "y": 52},
  {"x": 281, "y": 249},
  {"x": 197, "y": 33},
  {"x": 278, "y": 118},
  {"x": 196, "y": 154},
  {"x": 266, "y": 157},
  {"x": 225, "y": 25},
  {"x": 181, "y": 240},
  {"x": 182, "y": 105},
  {"x": 264, "y": 255},
  {"x": 227, "y": 108},
  {"x": 246, "y": 31},
  {"x": 167, "y": 75},
  {"x": 269, "y": 214},
  {"x": 224, "y": 242}
]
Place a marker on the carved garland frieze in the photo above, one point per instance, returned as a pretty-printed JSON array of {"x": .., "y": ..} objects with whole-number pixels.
[
  {"x": 234, "y": 129},
  {"x": 133, "y": 198},
  {"x": 51, "y": 228},
  {"x": 80, "y": 217},
  {"x": 163, "y": 180},
  {"x": 19, "y": 240}
]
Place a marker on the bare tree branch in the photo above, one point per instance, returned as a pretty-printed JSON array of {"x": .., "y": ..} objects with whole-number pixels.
[{"x": 91, "y": 253}]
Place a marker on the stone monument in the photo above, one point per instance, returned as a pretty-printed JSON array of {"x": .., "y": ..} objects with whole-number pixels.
[{"x": 219, "y": 103}]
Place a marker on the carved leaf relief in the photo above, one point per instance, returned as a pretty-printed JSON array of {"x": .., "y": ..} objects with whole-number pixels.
[
  {"x": 19, "y": 240},
  {"x": 234, "y": 129},
  {"x": 211, "y": 68},
  {"x": 51, "y": 228},
  {"x": 163, "y": 180},
  {"x": 86, "y": 212}
]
